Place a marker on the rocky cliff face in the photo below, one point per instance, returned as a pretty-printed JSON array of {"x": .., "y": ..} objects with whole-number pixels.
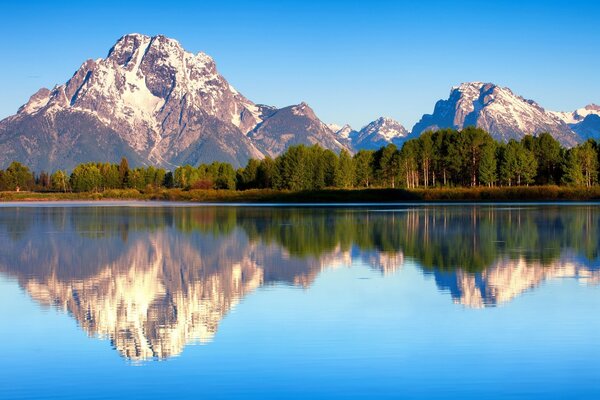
[{"x": 497, "y": 110}]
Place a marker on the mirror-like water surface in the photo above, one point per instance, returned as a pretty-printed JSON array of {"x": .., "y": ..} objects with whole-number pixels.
[{"x": 462, "y": 301}]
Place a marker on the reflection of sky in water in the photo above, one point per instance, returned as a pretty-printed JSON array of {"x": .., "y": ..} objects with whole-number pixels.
[{"x": 304, "y": 325}]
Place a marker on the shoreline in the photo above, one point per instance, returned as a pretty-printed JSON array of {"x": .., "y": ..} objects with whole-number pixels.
[{"x": 523, "y": 194}]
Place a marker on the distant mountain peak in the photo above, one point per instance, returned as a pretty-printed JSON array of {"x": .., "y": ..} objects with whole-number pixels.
[
  {"x": 293, "y": 125},
  {"x": 496, "y": 109},
  {"x": 378, "y": 133}
]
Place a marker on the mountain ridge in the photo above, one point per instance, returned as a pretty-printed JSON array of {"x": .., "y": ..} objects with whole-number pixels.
[
  {"x": 155, "y": 103},
  {"x": 497, "y": 110},
  {"x": 151, "y": 101}
]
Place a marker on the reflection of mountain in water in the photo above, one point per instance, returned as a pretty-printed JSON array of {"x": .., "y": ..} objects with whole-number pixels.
[
  {"x": 508, "y": 278},
  {"x": 155, "y": 279}
]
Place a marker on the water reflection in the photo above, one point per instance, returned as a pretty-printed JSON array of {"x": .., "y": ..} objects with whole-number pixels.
[{"x": 154, "y": 279}]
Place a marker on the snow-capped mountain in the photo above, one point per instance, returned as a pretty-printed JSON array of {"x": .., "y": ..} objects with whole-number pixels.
[
  {"x": 292, "y": 125},
  {"x": 574, "y": 117},
  {"x": 584, "y": 121},
  {"x": 374, "y": 135},
  {"x": 497, "y": 110},
  {"x": 345, "y": 132},
  {"x": 149, "y": 100},
  {"x": 379, "y": 133}
]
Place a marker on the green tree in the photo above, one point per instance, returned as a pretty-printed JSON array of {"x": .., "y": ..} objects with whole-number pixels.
[
  {"x": 488, "y": 165},
  {"x": 426, "y": 157},
  {"x": 408, "y": 160},
  {"x": 247, "y": 177},
  {"x": 387, "y": 165},
  {"x": 293, "y": 171},
  {"x": 547, "y": 152},
  {"x": 267, "y": 173},
  {"x": 224, "y": 177},
  {"x": 518, "y": 165},
  {"x": 344, "y": 171},
  {"x": 18, "y": 177},
  {"x": 86, "y": 178},
  {"x": 59, "y": 181},
  {"x": 363, "y": 168},
  {"x": 124, "y": 172},
  {"x": 581, "y": 166}
]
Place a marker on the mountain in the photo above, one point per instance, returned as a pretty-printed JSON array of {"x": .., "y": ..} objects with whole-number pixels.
[
  {"x": 379, "y": 133},
  {"x": 584, "y": 121},
  {"x": 497, "y": 110},
  {"x": 153, "y": 102},
  {"x": 374, "y": 135},
  {"x": 577, "y": 116},
  {"x": 589, "y": 127},
  {"x": 292, "y": 125},
  {"x": 345, "y": 132}
]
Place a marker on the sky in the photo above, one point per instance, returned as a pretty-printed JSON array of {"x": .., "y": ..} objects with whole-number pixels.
[{"x": 352, "y": 61}]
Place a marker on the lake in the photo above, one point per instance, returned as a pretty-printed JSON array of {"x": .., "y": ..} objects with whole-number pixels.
[{"x": 154, "y": 301}]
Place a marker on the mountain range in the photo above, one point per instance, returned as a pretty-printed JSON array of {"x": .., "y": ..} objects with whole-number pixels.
[{"x": 157, "y": 104}]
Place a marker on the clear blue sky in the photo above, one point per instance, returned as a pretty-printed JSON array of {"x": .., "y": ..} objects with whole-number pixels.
[{"x": 352, "y": 61}]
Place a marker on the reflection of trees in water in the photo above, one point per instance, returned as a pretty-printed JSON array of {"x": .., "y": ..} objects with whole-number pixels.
[
  {"x": 153, "y": 279},
  {"x": 447, "y": 238}
]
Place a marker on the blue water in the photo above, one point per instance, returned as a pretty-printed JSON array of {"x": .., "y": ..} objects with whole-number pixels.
[{"x": 138, "y": 301}]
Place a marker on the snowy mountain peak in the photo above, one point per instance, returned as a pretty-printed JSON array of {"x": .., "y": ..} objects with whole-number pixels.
[
  {"x": 385, "y": 127},
  {"x": 574, "y": 117},
  {"x": 153, "y": 101},
  {"x": 345, "y": 132},
  {"x": 379, "y": 133},
  {"x": 497, "y": 110}
]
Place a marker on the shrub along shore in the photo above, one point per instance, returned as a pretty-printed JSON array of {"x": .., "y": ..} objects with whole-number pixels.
[{"x": 374, "y": 195}]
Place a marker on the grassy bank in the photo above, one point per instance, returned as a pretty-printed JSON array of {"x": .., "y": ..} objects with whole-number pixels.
[{"x": 531, "y": 193}]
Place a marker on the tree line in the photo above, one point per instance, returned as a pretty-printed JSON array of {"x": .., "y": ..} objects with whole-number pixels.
[{"x": 444, "y": 158}]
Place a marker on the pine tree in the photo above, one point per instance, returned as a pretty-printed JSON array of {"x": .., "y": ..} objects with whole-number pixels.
[
  {"x": 124, "y": 172},
  {"x": 344, "y": 172},
  {"x": 363, "y": 168}
]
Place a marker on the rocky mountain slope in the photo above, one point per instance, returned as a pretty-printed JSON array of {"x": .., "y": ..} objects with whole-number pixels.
[
  {"x": 289, "y": 126},
  {"x": 154, "y": 102},
  {"x": 372, "y": 136},
  {"x": 584, "y": 121},
  {"x": 157, "y": 104},
  {"x": 379, "y": 133},
  {"x": 497, "y": 110}
]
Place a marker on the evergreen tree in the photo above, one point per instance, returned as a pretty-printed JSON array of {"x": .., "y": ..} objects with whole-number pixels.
[
  {"x": 518, "y": 165},
  {"x": 344, "y": 172},
  {"x": 169, "y": 180},
  {"x": 267, "y": 174},
  {"x": 488, "y": 165},
  {"x": 572, "y": 171},
  {"x": 387, "y": 165},
  {"x": 548, "y": 155},
  {"x": 247, "y": 177},
  {"x": 363, "y": 168},
  {"x": 124, "y": 172}
]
